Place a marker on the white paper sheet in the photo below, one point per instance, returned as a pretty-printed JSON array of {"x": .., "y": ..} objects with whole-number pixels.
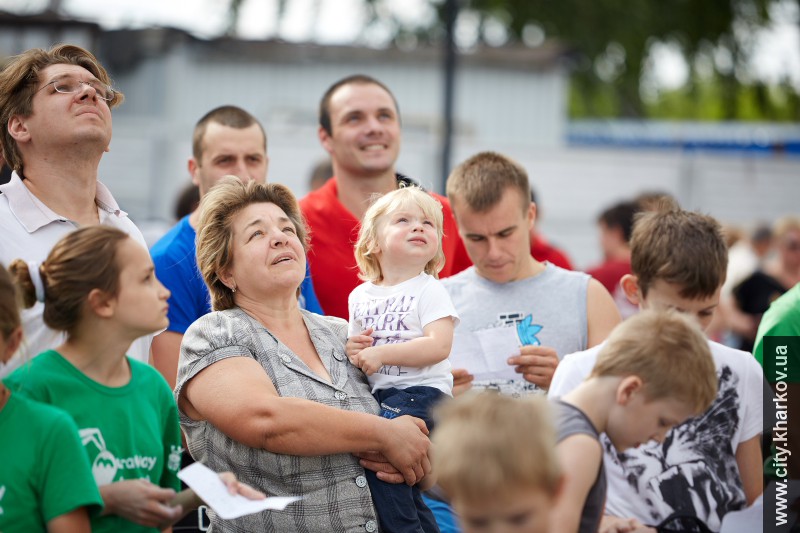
[
  {"x": 207, "y": 484},
  {"x": 484, "y": 353}
]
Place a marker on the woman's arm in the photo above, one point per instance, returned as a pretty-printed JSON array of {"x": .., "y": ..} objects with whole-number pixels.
[
  {"x": 433, "y": 347},
  {"x": 237, "y": 396}
]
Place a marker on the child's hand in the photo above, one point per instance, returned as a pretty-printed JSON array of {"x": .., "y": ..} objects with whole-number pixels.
[
  {"x": 355, "y": 344},
  {"x": 613, "y": 524},
  {"x": 370, "y": 360}
]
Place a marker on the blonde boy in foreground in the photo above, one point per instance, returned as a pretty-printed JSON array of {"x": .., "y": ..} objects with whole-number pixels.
[
  {"x": 654, "y": 372},
  {"x": 495, "y": 458}
]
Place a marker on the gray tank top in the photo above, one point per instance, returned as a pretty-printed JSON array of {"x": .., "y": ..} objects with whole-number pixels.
[
  {"x": 548, "y": 309},
  {"x": 572, "y": 421}
]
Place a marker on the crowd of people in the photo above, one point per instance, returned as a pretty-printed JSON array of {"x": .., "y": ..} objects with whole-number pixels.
[{"x": 308, "y": 348}]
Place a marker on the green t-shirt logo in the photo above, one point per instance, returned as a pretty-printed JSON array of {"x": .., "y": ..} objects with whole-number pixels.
[{"x": 104, "y": 465}]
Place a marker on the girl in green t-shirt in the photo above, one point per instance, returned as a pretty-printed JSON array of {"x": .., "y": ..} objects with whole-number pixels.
[
  {"x": 48, "y": 485},
  {"x": 99, "y": 287}
]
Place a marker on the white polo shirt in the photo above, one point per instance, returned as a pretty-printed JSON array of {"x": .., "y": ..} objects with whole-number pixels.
[{"x": 29, "y": 231}]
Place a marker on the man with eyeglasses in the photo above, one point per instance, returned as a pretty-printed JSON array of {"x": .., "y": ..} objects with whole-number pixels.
[{"x": 55, "y": 108}]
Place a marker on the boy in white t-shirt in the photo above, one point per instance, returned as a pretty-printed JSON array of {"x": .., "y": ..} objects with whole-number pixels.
[
  {"x": 401, "y": 328},
  {"x": 711, "y": 464}
]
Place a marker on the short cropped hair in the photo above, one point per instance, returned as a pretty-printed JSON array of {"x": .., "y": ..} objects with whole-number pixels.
[
  {"x": 670, "y": 354},
  {"x": 481, "y": 180},
  {"x": 215, "y": 229},
  {"x": 19, "y": 82},
  {"x": 620, "y": 216},
  {"x": 679, "y": 247},
  {"x": 355, "y": 79},
  {"x": 654, "y": 200},
  {"x": 227, "y": 115},
  {"x": 369, "y": 235},
  {"x": 81, "y": 261},
  {"x": 488, "y": 445}
]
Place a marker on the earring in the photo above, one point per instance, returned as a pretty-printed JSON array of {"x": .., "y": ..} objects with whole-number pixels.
[{"x": 233, "y": 289}]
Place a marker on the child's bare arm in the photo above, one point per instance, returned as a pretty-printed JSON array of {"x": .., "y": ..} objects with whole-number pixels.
[
  {"x": 433, "y": 347},
  {"x": 749, "y": 461},
  {"x": 580, "y": 457}
]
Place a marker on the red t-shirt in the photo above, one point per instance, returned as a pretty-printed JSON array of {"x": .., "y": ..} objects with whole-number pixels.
[
  {"x": 542, "y": 251},
  {"x": 610, "y": 272},
  {"x": 334, "y": 232}
]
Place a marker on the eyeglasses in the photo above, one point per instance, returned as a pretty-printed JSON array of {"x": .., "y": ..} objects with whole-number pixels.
[{"x": 72, "y": 86}]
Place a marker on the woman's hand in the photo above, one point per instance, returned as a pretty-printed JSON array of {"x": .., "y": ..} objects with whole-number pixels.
[
  {"x": 140, "y": 501},
  {"x": 405, "y": 446},
  {"x": 235, "y": 486},
  {"x": 188, "y": 499},
  {"x": 383, "y": 469}
]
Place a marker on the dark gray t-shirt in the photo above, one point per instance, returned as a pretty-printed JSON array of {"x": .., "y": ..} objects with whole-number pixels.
[{"x": 572, "y": 421}]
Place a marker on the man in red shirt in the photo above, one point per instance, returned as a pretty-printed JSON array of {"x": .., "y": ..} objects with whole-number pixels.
[
  {"x": 359, "y": 126},
  {"x": 616, "y": 225},
  {"x": 541, "y": 249}
]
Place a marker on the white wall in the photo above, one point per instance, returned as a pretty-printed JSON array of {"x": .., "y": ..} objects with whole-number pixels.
[{"x": 575, "y": 184}]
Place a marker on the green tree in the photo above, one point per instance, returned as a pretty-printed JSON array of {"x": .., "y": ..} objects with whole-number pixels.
[{"x": 613, "y": 40}]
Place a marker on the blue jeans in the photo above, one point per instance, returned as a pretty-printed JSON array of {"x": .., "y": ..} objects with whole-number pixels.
[{"x": 400, "y": 507}]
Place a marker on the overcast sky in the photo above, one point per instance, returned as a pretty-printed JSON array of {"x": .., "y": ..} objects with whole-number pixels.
[{"x": 340, "y": 21}]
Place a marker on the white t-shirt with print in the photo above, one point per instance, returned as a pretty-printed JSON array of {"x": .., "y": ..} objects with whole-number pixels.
[
  {"x": 398, "y": 313},
  {"x": 694, "y": 471}
]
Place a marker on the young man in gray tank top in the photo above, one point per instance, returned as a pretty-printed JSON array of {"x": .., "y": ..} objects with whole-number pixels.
[{"x": 554, "y": 311}]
